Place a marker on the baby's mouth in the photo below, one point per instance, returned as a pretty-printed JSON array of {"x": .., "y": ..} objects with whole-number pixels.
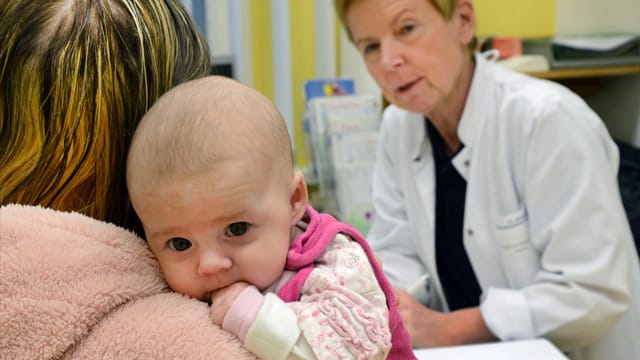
[{"x": 207, "y": 298}]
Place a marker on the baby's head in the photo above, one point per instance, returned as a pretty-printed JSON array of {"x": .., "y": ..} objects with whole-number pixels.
[{"x": 210, "y": 174}]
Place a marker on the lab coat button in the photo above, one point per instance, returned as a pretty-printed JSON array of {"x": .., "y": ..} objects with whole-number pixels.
[
  {"x": 470, "y": 232},
  {"x": 466, "y": 163}
]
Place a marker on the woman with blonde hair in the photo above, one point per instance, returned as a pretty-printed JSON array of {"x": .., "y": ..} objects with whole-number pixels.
[{"x": 75, "y": 79}]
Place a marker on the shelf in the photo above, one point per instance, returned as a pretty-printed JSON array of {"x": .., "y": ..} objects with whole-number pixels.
[{"x": 587, "y": 72}]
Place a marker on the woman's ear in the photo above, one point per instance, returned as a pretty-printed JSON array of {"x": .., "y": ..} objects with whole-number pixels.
[
  {"x": 299, "y": 197},
  {"x": 465, "y": 18}
]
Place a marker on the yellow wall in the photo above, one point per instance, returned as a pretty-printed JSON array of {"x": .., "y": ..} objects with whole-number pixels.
[
  {"x": 261, "y": 49},
  {"x": 524, "y": 18},
  {"x": 302, "y": 60},
  {"x": 303, "y": 67}
]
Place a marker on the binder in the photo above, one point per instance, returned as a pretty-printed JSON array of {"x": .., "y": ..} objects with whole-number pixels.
[{"x": 583, "y": 51}]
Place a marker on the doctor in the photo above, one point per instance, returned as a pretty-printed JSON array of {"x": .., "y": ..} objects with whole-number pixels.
[{"x": 499, "y": 188}]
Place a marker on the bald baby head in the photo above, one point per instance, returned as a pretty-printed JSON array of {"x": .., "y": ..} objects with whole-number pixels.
[{"x": 205, "y": 122}]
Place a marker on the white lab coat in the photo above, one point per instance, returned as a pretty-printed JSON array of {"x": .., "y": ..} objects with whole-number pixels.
[{"x": 544, "y": 225}]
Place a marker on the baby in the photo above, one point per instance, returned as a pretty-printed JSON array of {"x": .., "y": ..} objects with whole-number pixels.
[{"x": 210, "y": 174}]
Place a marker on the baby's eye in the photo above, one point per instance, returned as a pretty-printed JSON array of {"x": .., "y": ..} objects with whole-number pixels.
[
  {"x": 237, "y": 229},
  {"x": 179, "y": 244}
]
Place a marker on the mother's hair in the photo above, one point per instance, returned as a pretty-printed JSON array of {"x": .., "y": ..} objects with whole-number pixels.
[{"x": 75, "y": 79}]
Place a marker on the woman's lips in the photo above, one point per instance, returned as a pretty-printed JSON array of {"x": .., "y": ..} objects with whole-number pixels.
[{"x": 407, "y": 86}]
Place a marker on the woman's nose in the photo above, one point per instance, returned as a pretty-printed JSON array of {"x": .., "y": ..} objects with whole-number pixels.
[
  {"x": 212, "y": 261},
  {"x": 390, "y": 55}
]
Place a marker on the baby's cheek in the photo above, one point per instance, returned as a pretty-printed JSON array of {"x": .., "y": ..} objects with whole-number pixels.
[
  {"x": 269, "y": 271},
  {"x": 182, "y": 284}
]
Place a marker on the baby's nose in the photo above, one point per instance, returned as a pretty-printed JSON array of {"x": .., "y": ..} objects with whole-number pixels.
[{"x": 212, "y": 262}]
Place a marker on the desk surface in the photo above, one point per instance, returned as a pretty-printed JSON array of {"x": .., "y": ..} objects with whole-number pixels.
[
  {"x": 588, "y": 72},
  {"x": 522, "y": 350}
]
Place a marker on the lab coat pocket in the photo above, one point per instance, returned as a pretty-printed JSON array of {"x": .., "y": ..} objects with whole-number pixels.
[{"x": 520, "y": 259}]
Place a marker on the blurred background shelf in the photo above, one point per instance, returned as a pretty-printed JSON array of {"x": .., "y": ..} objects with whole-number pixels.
[{"x": 587, "y": 72}]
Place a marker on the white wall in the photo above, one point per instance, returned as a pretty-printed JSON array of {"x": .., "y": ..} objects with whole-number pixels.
[
  {"x": 218, "y": 26},
  {"x": 352, "y": 66},
  {"x": 325, "y": 45},
  {"x": 597, "y": 16},
  {"x": 239, "y": 32}
]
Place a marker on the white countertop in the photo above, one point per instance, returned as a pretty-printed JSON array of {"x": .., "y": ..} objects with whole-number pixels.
[{"x": 508, "y": 350}]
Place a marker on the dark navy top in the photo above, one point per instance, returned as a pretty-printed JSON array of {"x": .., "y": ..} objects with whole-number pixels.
[{"x": 458, "y": 280}]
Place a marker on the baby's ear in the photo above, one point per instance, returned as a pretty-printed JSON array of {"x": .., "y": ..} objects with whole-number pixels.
[{"x": 299, "y": 197}]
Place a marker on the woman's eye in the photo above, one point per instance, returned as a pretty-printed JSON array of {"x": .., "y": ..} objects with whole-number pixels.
[
  {"x": 370, "y": 48},
  {"x": 407, "y": 28},
  {"x": 179, "y": 244},
  {"x": 237, "y": 229}
]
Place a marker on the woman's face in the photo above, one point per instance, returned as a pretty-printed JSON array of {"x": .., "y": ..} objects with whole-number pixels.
[{"x": 415, "y": 55}]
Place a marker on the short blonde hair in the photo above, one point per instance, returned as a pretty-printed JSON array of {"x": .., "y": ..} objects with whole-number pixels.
[{"x": 444, "y": 7}]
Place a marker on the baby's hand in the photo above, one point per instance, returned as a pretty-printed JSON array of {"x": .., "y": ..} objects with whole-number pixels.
[{"x": 222, "y": 299}]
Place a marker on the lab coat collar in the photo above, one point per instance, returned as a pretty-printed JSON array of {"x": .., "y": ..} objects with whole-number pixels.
[
  {"x": 473, "y": 105},
  {"x": 471, "y": 120}
]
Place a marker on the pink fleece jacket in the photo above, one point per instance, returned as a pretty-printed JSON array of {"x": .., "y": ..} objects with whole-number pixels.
[{"x": 72, "y": 287}]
